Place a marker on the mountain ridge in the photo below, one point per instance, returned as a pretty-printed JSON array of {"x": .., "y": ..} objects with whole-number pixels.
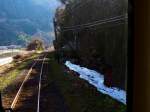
[{"x": 29, "y": 17}]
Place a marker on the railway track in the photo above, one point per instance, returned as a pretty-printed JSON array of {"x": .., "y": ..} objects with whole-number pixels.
[
  {"x": 27, "y": 99},
  {"x": 35, "y": 92}
]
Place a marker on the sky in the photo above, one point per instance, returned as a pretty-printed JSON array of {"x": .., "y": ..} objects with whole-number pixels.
[{"x": 53, "y": 4}]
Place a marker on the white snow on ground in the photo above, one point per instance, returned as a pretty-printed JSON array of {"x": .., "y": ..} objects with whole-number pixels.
[
  {"x": 97, "y": 80},
  {"x": 4, "y": 61},
  {"x": 9, "y": 51}
]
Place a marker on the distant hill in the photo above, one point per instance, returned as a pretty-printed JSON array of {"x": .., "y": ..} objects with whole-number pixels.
[{"x": 29, "y": 17}]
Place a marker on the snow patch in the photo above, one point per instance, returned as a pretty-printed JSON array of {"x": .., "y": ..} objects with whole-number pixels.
[
  {"x": 4, "y": 61},
  {"x": 9, "y": 51},
  {"x": 97, "y": 80}
]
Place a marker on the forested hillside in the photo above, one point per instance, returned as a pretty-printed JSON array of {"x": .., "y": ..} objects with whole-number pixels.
[
  {"x": 27, "y": 17},
  {"x": 93, "y": 33}
]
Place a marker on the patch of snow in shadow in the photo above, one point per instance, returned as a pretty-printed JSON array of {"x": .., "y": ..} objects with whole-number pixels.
[{"x": 97, "y": 80}]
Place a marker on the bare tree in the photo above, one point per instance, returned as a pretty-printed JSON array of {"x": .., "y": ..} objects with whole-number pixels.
[{"x": 35, "y": 44}]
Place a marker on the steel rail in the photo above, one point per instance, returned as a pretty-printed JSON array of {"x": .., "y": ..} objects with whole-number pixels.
[
  {"x": 20, "y": 89},
  {"x": 39, "y": 91}
]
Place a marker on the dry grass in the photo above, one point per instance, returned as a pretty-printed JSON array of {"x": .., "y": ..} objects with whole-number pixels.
[{"x": 8, "y": 77}]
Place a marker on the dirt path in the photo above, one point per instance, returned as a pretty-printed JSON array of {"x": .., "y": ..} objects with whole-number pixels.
[{"x": 51, "y": 99}]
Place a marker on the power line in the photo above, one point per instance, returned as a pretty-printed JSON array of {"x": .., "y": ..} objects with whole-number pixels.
[
  {"x": 88, "y": 25},
  {"x": 118, "y": 23},
  {"x": 95, "y": 22}
]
